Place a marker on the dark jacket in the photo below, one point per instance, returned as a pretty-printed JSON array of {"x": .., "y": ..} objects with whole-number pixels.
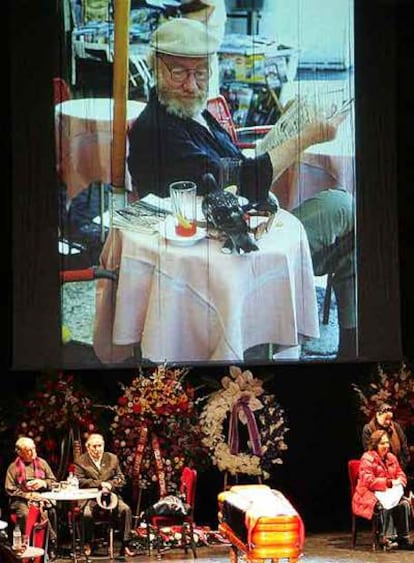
[
  {"x": 164, "y": 148},
  {"x": 90, "y": 476}
]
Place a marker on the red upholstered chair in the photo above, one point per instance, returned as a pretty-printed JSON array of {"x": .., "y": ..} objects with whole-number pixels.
[
  {"x": 353, "y": 473},
  {"x": 187, "y": 491}
]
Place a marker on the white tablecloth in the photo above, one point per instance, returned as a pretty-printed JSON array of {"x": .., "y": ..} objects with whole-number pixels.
[
  {"x": 192, "y": 304},
  {"x": 71, "y": 494},
  {"x": 83, "y": 129}
]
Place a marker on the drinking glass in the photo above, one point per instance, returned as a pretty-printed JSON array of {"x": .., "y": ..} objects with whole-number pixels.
[
  {"x": 183, "y": 204},
  {"x": 229, "y": 176},
  {"x": 25, "y": 542}
]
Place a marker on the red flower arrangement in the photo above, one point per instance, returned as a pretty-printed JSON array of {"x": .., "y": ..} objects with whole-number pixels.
[
  {"x": 156, "y": 429},
  {"x": 57, "y": 407}
]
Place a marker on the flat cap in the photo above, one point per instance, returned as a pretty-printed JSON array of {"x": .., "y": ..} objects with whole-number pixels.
[{"x": 184, "y": 37}]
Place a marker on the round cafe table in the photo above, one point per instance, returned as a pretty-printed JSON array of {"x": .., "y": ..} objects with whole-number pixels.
[
  {"x": 74, "y": 495},
  {"x": 84, "y": 135},
  {"x": 31, "y": 552},
  {"x": 196, "y": 304}
]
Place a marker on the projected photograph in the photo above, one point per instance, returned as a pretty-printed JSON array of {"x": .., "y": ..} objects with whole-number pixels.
[{"x": 206, "y": 159}]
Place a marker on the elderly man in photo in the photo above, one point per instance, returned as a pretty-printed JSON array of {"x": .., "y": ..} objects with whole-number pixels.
[
  {"x": 26, "y": 477},
  {"x": 176, "y": 138},
  {"x": 101, "y": 469}
]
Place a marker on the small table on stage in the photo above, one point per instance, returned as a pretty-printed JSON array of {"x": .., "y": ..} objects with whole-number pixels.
[
  {"x": 83, "y": 130},
  {"x": 194, "y": 303},
  {"x": 30, "y": 553},
  {"x": 72, "y": 495}
]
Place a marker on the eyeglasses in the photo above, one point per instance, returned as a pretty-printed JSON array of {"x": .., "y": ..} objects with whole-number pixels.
[{"x": 179, "y": 74}]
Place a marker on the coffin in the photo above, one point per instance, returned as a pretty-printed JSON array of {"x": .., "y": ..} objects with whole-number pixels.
[{"x": 261, "y": 523}]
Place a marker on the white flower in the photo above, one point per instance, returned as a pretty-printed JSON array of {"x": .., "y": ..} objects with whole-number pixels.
[{"x": 239, "y": 386}]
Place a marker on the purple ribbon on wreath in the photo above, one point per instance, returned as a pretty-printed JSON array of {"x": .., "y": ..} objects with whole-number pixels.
[{"x": 254, "y": 436}]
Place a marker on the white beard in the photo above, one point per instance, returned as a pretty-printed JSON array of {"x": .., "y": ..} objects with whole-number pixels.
[{"x": 187, "y": 108}]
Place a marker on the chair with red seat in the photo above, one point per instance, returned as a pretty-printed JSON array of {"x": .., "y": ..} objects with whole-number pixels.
[
  {"x": 37, "y": 529},
  {"x": 185, "y": 522},
  {"x": 61, "y": 90},
  {"x": 353, "y": 474},
  {"x": 243, "y": 137}
]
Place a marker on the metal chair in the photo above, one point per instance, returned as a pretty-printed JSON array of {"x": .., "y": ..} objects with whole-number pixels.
[
  {"x": 243, "y": 137},
  {"x": 104, "y": 519}
]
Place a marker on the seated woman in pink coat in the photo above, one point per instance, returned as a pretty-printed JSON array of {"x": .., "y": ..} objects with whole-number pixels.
[{"x": 380, "y": 491}]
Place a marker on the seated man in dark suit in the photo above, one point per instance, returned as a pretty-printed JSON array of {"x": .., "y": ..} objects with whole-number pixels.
[{"x": 98, "y": 468}]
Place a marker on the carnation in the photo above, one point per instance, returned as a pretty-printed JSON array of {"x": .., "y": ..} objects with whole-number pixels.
[{"x": 154, "y": 417}]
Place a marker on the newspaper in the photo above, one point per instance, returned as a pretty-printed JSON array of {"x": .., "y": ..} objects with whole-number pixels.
[
  {"x": 298, "y": 113},
  {"x": 142, "y": 216}
]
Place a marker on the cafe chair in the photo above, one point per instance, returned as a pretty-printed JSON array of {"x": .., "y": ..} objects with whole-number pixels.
[
  {"x": 104, "y": 522},
  {"x": 40, "y": 538},
  {"x": 243, "y": 137},
  {"x": 88, "y": 274},
  {"x": 353, "y": 472},
  {"x": 37, "y": 529},
  {"x": 61, "y": 90},
  {"x": 185, "y": 522}
]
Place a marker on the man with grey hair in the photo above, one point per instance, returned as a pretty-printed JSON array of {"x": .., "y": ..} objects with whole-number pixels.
[
  {"x": 26, "y": 477},
  {"x": 176, "y": 138},
  {"x": 101, "y": 469},
  {"x": 383, "y": 419}
]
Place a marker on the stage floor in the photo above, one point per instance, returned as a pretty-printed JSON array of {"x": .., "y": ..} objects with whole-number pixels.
[{"x": 319, "y": 548}]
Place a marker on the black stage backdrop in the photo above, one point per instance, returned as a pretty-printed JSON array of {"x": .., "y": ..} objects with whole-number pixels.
[{"x": 318, "y": 398}]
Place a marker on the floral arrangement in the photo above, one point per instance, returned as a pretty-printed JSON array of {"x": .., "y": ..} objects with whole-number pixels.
[
  {"x": 394, "y": 386},
  {"x": 170, "y": 537},
  {"x": 156, "y": 429},
  {"x": 243, "y": 401},
  {"x": 58, "y": 406}
]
